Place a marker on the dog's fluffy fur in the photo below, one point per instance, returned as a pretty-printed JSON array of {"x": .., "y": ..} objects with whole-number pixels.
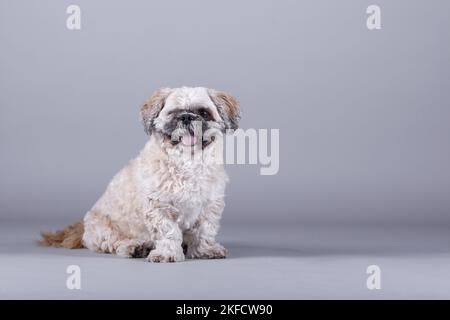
[{"x": 164, "y": 205}]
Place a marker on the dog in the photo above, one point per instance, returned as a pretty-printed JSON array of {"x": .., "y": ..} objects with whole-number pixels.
[{"x": 165, "y": 204}]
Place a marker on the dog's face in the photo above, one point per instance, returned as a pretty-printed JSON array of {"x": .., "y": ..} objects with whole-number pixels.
[{"x": 189, "y": 117}]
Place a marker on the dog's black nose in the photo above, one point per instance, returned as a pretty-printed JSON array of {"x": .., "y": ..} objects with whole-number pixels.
[{"x": 186, "y": 118}]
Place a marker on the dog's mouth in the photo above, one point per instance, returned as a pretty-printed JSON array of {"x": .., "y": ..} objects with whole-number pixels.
[{"x": 190, "y": 140}]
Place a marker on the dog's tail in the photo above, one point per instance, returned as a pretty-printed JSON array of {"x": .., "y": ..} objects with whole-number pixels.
[{"x": 70, "y": 237}]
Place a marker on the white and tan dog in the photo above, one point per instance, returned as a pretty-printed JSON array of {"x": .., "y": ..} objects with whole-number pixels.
[{"x": 166, "y": 203}]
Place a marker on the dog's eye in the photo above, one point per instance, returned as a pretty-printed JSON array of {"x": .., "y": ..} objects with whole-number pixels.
[{"x": 205, "y": 114}]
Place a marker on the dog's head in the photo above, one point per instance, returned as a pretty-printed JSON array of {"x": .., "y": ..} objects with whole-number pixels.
[{"x": 187, "y": 116}]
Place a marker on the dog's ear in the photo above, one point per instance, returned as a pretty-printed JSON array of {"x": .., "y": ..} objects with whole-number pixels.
[
  {"x": 152, "y": 107},
  {"x": 227, "y": 106}
]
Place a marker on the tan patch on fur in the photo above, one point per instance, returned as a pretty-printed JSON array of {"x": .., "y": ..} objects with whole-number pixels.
[
  {"x": 232, "y": 106},
  {"x": 70, "y": 237},
  {"x": 152, "y": 106},
  {"x": 229, "y": 104},
  {"x": 172, "y": 215}
]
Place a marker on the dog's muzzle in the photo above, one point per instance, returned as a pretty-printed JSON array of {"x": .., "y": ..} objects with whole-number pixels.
[{"x": 189, "y": 131}]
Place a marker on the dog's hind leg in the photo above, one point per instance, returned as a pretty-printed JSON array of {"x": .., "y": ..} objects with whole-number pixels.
[
  {"x": 101, "y": 234},
  {"x": 132, "y": 248}
]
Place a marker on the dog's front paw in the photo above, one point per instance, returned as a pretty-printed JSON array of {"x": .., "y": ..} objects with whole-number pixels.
[
  {"x": 207, "y": 251},
  {"x": 165, "y": 256}
]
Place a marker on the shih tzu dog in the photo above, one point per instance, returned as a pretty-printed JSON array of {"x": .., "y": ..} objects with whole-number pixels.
[{"x": 167, "y": 202}]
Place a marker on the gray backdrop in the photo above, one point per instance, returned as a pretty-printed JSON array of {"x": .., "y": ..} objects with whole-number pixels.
[{"x": 364, "y": 116}]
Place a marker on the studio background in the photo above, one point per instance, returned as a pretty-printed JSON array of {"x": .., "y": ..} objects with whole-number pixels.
[{"x": 363, "y": 115}]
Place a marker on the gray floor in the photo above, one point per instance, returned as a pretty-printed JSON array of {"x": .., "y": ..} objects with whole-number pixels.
[{"x": 266, "y": 262}]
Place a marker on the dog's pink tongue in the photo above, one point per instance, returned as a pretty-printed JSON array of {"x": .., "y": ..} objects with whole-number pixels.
[{"x": 188, "y": 140}]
